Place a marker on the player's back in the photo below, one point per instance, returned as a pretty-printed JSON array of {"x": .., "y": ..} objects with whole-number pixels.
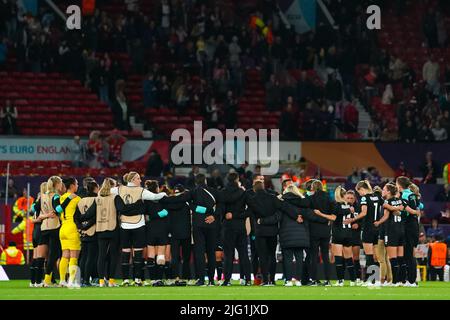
[{"x": 69, "y": 212}]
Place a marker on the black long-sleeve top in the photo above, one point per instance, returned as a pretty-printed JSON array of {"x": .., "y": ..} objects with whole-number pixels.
[{"x": 179, "y": 217}]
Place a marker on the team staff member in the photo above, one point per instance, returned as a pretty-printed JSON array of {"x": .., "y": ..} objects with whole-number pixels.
[
  {"x": 180, "y": 230},
  {"x": 105, "y": 210},
  {"x": 36, "y": 276},
  {"x": 342, "y": 236},
  {"x": 51, "y": 209},
  {"x": 89, "y": 243},
  {"x": 234, "y": 215},
  {"x": 69, "y": 237},
  {"x": 395, "y": 232},
  {"x": 132, "y": 228},
  {"x": 203, "y": 201},
  {"x": 320, "y": 232},
  {"x": 264, "y": 205},
  {"x": 157, "y": 226},
  {"x": 255, "y": 260},
  {"x": 294, "y": 234},
  {"x": 356, "y": 235},
  {"x": 371, "y": 205}
]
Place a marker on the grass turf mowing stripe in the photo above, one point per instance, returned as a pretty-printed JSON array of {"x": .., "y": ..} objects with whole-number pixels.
[{"x": 19, "y": 290}]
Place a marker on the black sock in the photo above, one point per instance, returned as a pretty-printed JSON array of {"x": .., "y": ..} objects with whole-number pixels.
[
  {"x": 350, "y": 268},
  {"x": 357, "y": 269},
  {"x": 144, "y": 267},
  {"x": 340, "y": 271},
  {"x": 403, "y": 268},
  {"x": 369, "y": 262},
  {"x": 33, "y": 271},
  {"x": 159, "y": 271},
  {"x": 138, "y": 262},
  {"x": 167, "y": 270},
  {"x": 395, "y": 270},
  {"x": 219, "y": 268},
  {"x": 39, "y": 269},
  {"x": 126, "y": 265},
  {"x": 151, "y": 266}
]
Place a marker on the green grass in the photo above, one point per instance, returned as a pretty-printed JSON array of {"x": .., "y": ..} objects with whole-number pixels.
[{"x": 19, "y": 290}]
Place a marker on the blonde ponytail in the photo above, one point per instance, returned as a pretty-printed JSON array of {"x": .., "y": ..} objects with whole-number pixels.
[
  {"x": 105, "y": 189},
  {"x": 339, "y": 194},
  {"x": 293, "y": 189},
  {"x": 52, "y": 183},
  {"x": 128, "y": 177}
]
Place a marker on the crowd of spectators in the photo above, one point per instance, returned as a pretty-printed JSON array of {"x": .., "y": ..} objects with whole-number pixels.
[{"x": 194, "y": 53}]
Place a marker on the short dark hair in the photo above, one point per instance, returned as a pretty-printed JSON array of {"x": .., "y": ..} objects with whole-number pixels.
[
  {"x": 200, "y": 179},
  {"x": 232, "y": 177},
  {"x": 258, "y": 185},
  {"x": 152, "y": 185},
  {"x": 91, "y": 186},
  {"x": 403, "y": 182},
  {"x": 69, "y": 181}
]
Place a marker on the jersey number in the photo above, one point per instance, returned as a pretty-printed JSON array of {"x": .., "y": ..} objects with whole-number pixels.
[
  {"x": 397, "y": 218},
  {"x": 347, "y": 225}
]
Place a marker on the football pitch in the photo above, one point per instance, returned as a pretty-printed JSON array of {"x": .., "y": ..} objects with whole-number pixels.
[{"x": 19, "y": 290}]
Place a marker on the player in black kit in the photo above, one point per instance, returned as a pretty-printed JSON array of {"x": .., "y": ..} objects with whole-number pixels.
[
  {"x": 371, "y": 205},
  {"x": 341, "y": 236},
  {"x": 350, "y": 196},
  {"x": 395, "y": 232}
]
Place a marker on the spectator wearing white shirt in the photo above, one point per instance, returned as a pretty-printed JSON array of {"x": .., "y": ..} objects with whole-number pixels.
[{"x": 431, "y": 74}]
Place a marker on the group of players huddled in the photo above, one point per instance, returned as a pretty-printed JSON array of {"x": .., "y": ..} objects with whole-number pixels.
[{"x": 152, "y": 234}]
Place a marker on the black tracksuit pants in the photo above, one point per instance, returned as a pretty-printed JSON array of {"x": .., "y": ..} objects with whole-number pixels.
[
  {"x": 183, "y": 245},
  {"x": 266, "y": 247},
  {"x": 234, "y": 239},
  {"x": 108, "y": 255},
  {"x": 205, "y": 242},
  {"x": 411, "y": 241},
  {"x": 288, "y": 258},
  {"x": 323, "y": 244},
  {"x": 88, "y": 261}
]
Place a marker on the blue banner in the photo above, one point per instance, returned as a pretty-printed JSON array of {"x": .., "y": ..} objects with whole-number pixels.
[{"x": 301, "y": 14}]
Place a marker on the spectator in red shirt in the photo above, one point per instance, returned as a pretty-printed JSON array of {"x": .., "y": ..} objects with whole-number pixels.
[
  {"x": 115, "y": 141},
  {"x": 95, "y": 150},
  {"x": 351, "y": 118},
  {"x": 402, "y": 171}
]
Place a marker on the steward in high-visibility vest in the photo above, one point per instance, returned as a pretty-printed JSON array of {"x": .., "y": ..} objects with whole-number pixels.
[
  {"x": 438, "y": 256},
  {"x": 22, "y": 205},
  {"x": 26, "y": 227},
  {"x": 12, "y": 256},
  {"x": 446, "y": 174}
]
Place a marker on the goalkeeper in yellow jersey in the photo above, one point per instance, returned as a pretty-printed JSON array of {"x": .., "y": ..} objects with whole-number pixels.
[{"x": 69, "y": 236}]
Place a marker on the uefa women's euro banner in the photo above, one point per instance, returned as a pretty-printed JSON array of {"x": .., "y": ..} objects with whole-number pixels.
[{"x": 59, "y": 149}]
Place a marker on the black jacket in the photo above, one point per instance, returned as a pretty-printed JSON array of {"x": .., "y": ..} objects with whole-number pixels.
[
  {"x": 319, "y": 227},
  {"x": 204, "y": 196},
  {"x": 292, "y": 233},
  {"x": 264, "y": 205},
  {"x": 233, "y": 199},
  {"x": 158, "y": 226},
  {"x": 179, "y": 217}
]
